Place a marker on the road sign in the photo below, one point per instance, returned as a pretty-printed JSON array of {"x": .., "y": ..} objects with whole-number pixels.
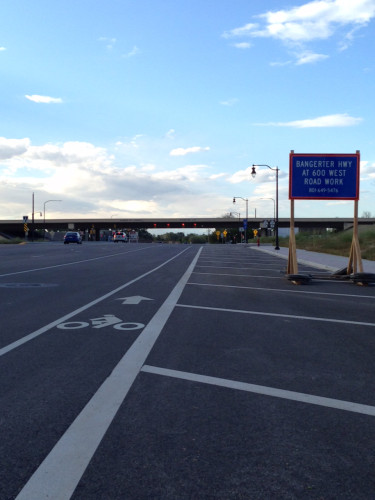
[
  {"x": 245, "y": 223},
  {"x": 324, "y": 176},
  {"x": 25, "y": 218}
]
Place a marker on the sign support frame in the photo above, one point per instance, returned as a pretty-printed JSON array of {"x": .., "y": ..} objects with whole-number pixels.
[{"x": 355, "y": 260}]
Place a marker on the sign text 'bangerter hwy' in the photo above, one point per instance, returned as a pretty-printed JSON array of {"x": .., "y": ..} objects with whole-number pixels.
[{"x": 324, "y": 176}]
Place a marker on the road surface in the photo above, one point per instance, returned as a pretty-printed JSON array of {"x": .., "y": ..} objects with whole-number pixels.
[{"x": 181, "y": 372}]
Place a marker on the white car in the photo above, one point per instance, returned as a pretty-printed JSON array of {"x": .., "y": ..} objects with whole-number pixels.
[{"x": 120, "y": 236}]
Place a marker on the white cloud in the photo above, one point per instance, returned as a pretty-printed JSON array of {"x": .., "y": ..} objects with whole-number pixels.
[
  {"x": 2, "y": 49},
  {"x": 240, "y": 176},
  {"x": 185, "y": 151},
  {"x": 315, "y": 20},
  {"x": 12, "y": 147},
  {"x": 242, "y": 45},
  {"x": 243, "y": 31},
  {"x": 109, "y": 42},
  {"x": 229, "y": 102},
  {"x": 43, "y": 99},
  {"x": 170, "y": 134},
  {"x": 97, "y": 182},
  {"x": 135, "y": 50},
  {"x": 91, "y": 181},
  {"x": 309, "y": 57},
  {"x": 338, "y": 120},
  {"x": 191, "y": 173},
  {"x": 285, "y": 63},
  {"x": 217, "y": 176},
  {"x": 368, "y": 169}
]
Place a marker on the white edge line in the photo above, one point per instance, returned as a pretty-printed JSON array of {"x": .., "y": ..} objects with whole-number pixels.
[
  {"x": 263, "y": 390},
  {"x": 62, "y": 469},
  {"x": 278, "y": 315},
  {"x": 285, "y": 291},
  {"x": 45, "y": 329}
]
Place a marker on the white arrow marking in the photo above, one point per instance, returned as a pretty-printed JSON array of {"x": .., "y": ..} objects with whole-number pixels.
[{"x": 133, "y": 300}]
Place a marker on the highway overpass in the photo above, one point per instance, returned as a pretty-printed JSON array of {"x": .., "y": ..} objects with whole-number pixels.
[{"x": 16, "y": 227}]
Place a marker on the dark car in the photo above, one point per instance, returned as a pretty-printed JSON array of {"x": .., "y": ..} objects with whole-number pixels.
[{"x": 72, "y": 237}]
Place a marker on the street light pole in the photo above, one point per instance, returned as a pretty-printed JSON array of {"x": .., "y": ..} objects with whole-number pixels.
[
  {"x": 44, "y": 217},
  {"x": 274, "y": 206},
  {"x": 247, "y": 212},
  {"x": 253, "y": 174}
]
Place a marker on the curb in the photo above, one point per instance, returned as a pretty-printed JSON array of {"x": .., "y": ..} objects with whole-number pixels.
[{"x": 300, "y": 261}]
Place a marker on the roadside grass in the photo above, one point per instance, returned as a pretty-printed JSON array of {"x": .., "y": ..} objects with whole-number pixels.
[
  {"x": 11, "y": 241},
  {"x": 333, "y": 243}
]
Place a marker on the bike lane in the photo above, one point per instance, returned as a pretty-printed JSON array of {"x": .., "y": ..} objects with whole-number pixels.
[{"x": 49, "y": 377}]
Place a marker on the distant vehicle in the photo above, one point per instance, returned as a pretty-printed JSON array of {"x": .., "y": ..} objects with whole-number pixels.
[
  {"x": 133, "y": 236},
  {"x": 120, "y": 236},
  {"x": 72, "y": 237}
]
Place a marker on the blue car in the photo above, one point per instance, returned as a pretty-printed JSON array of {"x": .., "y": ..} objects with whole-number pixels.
[{"x": 72, "y": 237}]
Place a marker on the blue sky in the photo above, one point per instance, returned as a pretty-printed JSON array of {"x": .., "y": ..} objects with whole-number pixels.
[{"x": 139, "y": 108}]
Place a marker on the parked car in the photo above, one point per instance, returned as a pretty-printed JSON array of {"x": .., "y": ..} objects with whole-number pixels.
[
  {"x": 72, "y": 237},
  {"x": 120, "y": 236}
]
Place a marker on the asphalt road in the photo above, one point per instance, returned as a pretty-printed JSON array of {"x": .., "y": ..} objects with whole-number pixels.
[{"x": 181, "y": 372}]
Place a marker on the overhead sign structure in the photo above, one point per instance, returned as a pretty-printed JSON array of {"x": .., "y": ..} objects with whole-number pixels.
[{"x": 324, "y": 176}]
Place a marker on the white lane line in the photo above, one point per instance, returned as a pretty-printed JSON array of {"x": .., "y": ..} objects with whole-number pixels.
[
  {"x": 284, "y": 291},
  {"x": 238, "y": 261},
  {"x": 60, "y": 472},
  {"x": 241, "y": 268},
  {"x": 48, "y": 327},
  {"x": 73, "y": 263},
  {"x": 241, "y": 275},
  {"x": 282, "y": 276},
  {"x": 277, "y": 315},
  {"x": 263, "y": 390}
]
